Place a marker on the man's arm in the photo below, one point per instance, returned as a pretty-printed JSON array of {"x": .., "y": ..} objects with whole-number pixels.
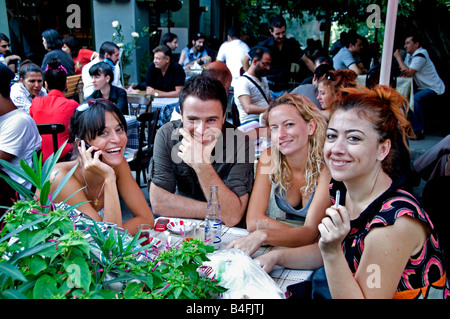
[
  {"x": 204, "y": 59},
  {"x": 309, "y": 63},
  {"x": 245, "y": 62},
  {"x": 167, "y": 204},
  {"x": 250, "y": 108},
  {"x": 404, "y": 69},
  {"x": 233, "y": 207},
  {"x": 175, "y": 93},
  {"x": 354, "y": 67},
  {"x": 197, "y": 156},
  {"x": 6, "y": 156}
]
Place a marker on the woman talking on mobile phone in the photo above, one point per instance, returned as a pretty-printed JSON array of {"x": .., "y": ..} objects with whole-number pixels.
[
  {"x": 98, "y": 131},
  {"x": 376, "y": 241}
]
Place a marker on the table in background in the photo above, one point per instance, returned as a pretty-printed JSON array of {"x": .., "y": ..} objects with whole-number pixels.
[
  {"x": 166, "y": 106},
  {"x": 404, "y": 86},
  {"x": 283, "y": 277}
]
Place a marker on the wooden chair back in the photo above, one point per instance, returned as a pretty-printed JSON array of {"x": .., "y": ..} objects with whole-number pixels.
[
  {"x": 72, "y": 83},
  {"x": 136, "y": 102}
]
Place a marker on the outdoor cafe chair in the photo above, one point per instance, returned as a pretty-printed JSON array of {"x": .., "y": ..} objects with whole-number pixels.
[
  {"x": 73, "y": 86},
  {"x": 53, "y": 129},
  {"x": 148, "y": 123},
  {"x": 136, "y": 102}
]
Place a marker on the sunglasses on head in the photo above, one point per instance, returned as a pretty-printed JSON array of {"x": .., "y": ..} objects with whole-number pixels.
[{"x": 329, "y": 76}]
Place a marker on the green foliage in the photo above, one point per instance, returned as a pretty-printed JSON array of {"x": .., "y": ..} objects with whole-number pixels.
[
  {"x": 47, "y": 252},
  {"x": 254, "y": 15}
]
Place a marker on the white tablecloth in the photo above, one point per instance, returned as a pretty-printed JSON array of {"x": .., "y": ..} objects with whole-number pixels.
[{"x": 283, "y": 277}]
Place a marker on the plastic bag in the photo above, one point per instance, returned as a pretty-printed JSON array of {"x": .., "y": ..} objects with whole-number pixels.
[{"x": 241, "y": 275}]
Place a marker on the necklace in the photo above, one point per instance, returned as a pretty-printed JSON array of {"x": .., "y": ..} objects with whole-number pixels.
[{"x": 87, "y": 187}]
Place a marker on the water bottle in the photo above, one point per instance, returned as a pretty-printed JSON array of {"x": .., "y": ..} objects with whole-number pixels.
[{"x": 213, "y": 227}]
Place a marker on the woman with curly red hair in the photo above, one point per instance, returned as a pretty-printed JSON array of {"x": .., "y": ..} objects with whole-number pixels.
[{"x": 330, "y": 85}]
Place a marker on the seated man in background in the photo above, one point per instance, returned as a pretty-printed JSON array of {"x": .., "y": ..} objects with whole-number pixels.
[
  {"x": 19, "y": 135},
  {"x": 165, "y": 78},
  {"x": 251, "y": 92},
  {"x": 183, "y": 168},
  {"x": 419, "y": 66},
  {"x": 195, "y": 53},
  {"x": 6, "y": 57},
  {"x": 348, "y": 56}
]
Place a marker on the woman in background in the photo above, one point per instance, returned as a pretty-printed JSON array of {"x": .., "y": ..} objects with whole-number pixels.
[
  {"x": 52, "y": 43},
  {"x": 102, "y": 75},
  {"x": 80, "y": 56},
  {"x": 54, "y": 108},
  {"x": 330, "y": 85}
]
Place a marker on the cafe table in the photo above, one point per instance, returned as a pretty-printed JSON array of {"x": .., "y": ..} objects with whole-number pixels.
[
  {"x": 283, "y": 277},
  {"x": 166, "y": 105}
]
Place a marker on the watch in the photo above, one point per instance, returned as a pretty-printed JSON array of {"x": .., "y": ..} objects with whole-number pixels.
[{"x": 156, "y": 94}]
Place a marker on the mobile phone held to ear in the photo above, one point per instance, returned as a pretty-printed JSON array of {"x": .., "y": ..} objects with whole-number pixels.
[
  {"x": 161, "y": 224},
  {"x": 87, "y": 146}
]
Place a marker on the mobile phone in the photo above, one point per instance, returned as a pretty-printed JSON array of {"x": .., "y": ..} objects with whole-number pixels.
[
  {"x": 161, "y": 224},
  {"x": 87, "y": 146}
]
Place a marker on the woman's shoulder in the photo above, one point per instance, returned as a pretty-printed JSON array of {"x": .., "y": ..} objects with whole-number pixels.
[{"x": 61, "y": 169}]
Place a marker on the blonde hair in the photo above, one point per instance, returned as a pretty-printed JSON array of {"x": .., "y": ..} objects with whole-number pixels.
[{"x": 280, "y": 173}]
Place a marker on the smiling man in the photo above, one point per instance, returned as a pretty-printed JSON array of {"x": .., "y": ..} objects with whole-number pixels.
[
  {"x": 199, "y": 151},
  {"x": 284, "y": 52}
]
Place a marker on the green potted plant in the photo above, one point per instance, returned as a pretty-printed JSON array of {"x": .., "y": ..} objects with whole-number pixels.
[{"x": 49, "y": 251}]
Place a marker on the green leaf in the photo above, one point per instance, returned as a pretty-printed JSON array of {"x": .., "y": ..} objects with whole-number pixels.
[
  {"x": 36, "y": 264},
  {"x": 12, "y": 294},
  {"x": 30, "y": 251},
  {"x": 23, "y": 227},
  {"x": 64, "y": 181},
  {"x": 38, "y": 236},
  {"x": 19, "y": 188},
  {"x": 45, "y": 288},
  {"x": 15, "y": 170},
  {"x": 11, "y": 271},
  {"x": 51, "y": 162},
  {"x": 131, "y": 290},
  {"x": 177, "y": 291},
  {"x": 79, "y": 273},
  {"x": 44, "y": 191},
  {"x": 31, "y": 173}
]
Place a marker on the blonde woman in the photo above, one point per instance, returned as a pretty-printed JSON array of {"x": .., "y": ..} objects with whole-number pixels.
[{"x": 292, "y": 175}]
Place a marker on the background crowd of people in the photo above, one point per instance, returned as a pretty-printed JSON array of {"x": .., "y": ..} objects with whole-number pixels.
[{"x": 326, "y": 136}]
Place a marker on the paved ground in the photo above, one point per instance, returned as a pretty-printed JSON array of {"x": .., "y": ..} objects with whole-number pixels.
[{"x": 417, "y": 149}]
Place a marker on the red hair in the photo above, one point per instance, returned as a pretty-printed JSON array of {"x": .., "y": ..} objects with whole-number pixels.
[{"x": 386, "y": 109}]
